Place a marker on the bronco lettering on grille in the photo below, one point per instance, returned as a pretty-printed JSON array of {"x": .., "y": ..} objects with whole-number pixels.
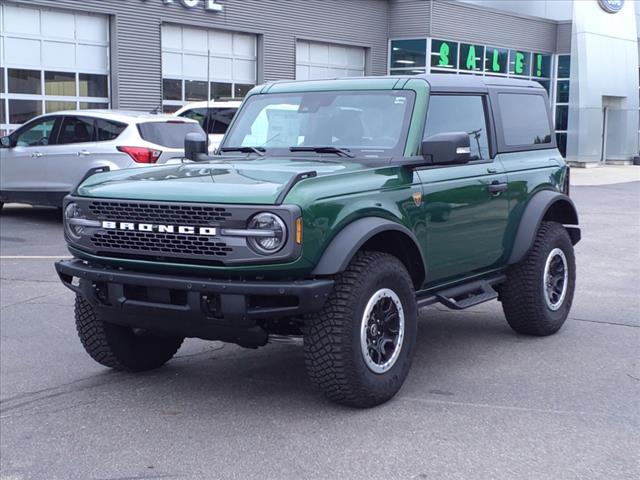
[{"x": 150, "y": 227}]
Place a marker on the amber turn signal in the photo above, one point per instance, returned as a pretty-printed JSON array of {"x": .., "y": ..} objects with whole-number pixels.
[{"x": 299, "y": 231}]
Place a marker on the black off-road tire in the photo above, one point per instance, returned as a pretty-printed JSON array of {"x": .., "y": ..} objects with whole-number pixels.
[
  {"x": 118, "y": 347},
  {"x": 333, "y": 356},
  {"x": 523, "y": 296}
]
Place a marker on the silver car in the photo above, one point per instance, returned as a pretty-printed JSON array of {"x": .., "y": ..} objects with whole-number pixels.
[{"x": 45, "y": 158}]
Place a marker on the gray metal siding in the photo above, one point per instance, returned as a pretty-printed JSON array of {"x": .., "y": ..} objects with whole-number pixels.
[
  {"x": 409, "y": 18},
  {"x": 458, "y": 21},
  {"x": 563, "y": 39},
  {"x": 137, "y": 74}
]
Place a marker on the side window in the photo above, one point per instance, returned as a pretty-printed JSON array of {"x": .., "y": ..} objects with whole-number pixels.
[
  {"x": 36, "y": 134},
  {"x": 460, "y": 113},
  {"x": 107, "y": 130},
  {"x": 75, "y": 130},
  {"x": 197, "y": 114},
  {"x": 220, "y": 119},
  {"x": 525, "y": 121}
]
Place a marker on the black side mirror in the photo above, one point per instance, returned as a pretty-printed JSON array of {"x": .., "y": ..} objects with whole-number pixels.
[
  {"x": 195, "y": 146},
  {"x": 5, "y": 142},
  {"x": 448, "y": 148}
]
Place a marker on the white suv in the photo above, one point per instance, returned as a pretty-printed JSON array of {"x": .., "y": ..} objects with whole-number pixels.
[
  {"x": 214, "y": 117},
  {"x": 46, "y": 157}
]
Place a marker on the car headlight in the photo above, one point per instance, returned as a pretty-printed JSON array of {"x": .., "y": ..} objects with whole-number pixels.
[
  {"x": 268, "y": 233},
  {"x": 73, "y": 224}
]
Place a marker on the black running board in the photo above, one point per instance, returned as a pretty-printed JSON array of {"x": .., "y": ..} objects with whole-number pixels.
[
  {"x": 465, "y": 295},
  {"x": 470, "y": 294}
]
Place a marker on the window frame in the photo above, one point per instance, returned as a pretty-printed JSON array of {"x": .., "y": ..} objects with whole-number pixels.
[
  {"x": 488, "y": 118},
  {"x": 494, "y": 92}
]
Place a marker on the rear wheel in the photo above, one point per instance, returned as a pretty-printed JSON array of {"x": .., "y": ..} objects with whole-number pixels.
[
  {"x": 119, "y": 347},
  {"x": 538, "y": 293},
  {"x": 359, "y": 348}
]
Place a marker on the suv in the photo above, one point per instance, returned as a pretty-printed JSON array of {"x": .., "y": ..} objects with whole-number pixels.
[
  {"x": 45, "y": 158},
  {"x": 214, "y": 117},
  {"x": 338, "y": 209}
]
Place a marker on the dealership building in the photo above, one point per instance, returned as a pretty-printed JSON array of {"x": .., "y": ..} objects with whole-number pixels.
[{"x": 160, "y": 54}]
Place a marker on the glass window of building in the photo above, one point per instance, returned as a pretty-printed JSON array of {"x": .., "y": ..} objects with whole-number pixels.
[
  {"x": 205, "y": 64},
  {"x": 460, "y": 113},
  {"x": 561, "y": 106},
  {"x": 471, "y": 57},
  {"x": 519, "y": 63},
  {"x": 444, "y": 55},
  {"x": 496, "y": 60},
  {"x": 408, "y": 56},
  {"x": 58, "y": 60}
]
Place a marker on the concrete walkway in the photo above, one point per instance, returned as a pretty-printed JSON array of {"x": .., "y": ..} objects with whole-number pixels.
[{"x": 605, "y": 175}]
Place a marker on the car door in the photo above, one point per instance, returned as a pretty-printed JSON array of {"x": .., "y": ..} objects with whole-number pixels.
[
  {"x": 23, "y": 166},
  {"x": 464, "y": 206},
  {"x": 72, "y": 155}
]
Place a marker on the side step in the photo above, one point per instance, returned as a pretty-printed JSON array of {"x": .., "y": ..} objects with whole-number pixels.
[{"x": 469, "y": 294}]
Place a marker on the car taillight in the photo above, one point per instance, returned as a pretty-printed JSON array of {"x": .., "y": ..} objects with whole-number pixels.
[{"x": 141, "y": 154}]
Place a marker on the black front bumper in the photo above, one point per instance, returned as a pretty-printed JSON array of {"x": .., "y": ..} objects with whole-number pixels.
[{"x": 215, "y": 309}]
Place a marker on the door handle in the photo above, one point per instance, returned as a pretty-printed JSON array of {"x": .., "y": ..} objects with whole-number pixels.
[
  {"x": 36, "y": 155},
  {"x": 84, "y": 153},
  {"x": 496, "y": 188}
]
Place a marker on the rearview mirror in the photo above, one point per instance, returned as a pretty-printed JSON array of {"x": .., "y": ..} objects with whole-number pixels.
[
  {"x": 195, "y": 146},
  {"x": 448, "y": 148},
  {"x": 5, "y": 142}
]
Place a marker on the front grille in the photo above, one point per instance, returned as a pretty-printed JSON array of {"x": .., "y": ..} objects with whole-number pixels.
[
  {"x": 196, "y": 215},
  {"x": 160, "y": 243}
]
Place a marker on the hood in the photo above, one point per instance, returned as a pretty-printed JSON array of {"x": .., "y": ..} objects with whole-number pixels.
[{"x": 238, "y": 181}]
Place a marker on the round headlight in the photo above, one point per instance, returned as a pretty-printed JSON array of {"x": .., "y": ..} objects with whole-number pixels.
[
  {"x": 274, "y": 233},
  {"x": 73, "y": 229}
]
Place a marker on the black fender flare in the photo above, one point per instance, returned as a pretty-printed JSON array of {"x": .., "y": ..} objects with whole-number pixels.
[
  {"x": 534, "y": 212},
  {"x": 350, "y": 239}
]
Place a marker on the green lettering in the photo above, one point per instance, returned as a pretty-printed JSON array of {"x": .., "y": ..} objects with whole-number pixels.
[
  {"x": 471, "y": 58},
  {"x": 538, "y": 65},
  {"x": 519, "y": 63},
  {"x": 444, "y": 55},
  {"x": 496, "y": 61}
]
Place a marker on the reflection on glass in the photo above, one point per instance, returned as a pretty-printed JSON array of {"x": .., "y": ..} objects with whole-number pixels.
[
  {"x": 241, "y": 90},
  {"x": 561, "y": 138},
  {"x": 171, "y": 89},
  {"x": 444, "y": 54},
  {"x": 408, "y": 53},
  {"x": 495, "y": 60},
  {"x": 57, "y": 106},
  {"x": 541, "y": 65},
  {"x": 564, "y": 66},
  {"x": 471, "y": 57},
  {"x": 94, "y": 85},
  {"x": 93, "y": 106},
  {"x": 519, "y": 62},
  {"x": 562, "y": 94},
  {"x": 60, "y": 83},
  {"x": 24, "y": 81},
  {"x": 562, "y": 117},
  {"x": 21, "y": 111},
  {"x": 195, "y": 90},
  {"x": 220, "y": 90}
]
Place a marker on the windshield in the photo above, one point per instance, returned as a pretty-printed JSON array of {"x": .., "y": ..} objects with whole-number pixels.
[{"x": 370, "y": 123}]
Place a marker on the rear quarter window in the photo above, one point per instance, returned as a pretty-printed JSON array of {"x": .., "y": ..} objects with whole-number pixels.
[
  {"x": 525, "y": 119},
  {"x": 106, "y": 130},
  {"x": 168, "y": 134}
]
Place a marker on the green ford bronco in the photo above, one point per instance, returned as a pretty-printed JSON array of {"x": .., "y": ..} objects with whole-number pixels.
[{"x": 332, "y": 213}]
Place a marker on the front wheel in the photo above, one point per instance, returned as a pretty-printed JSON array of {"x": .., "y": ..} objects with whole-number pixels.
[
  {"x": 359, "y": 348},
  {"x": 119, "y": 347},
  {"x": 537, "y": 295}
]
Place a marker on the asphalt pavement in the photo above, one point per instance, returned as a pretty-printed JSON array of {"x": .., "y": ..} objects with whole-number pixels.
[{"x": 480, "y": 402}]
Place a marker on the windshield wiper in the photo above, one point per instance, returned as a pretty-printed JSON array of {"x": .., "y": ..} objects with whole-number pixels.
[
  {"x": 257, "y": 150},
  {"x": 344, "y": 152}
]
